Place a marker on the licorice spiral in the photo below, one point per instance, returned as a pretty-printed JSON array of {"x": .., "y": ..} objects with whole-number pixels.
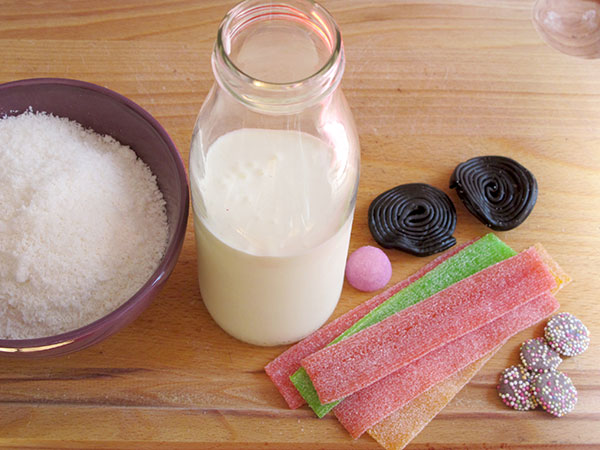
[
  {"x": 497, "y": 190},
  {"x": 416, "y": 218}
]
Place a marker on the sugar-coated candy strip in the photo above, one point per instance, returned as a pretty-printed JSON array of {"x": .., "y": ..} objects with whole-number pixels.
[
  {"x": 367, "y": 407},
  {"x": 562, "y": 278},
  {"x": 360, "y": 360},
  {"x": 481, "y": 254},
  {"x": 397, "y": 430},
  {"x": 280, "y": 369},
  {"x": 401, "y": 427}
]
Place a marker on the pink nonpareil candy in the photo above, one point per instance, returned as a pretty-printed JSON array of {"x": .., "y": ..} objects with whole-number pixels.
[
  {"x": 366, "y": 357},
  {"x": 369, "y": 406},
  {"x": 280, "y": 369},
  {"x": 368, "y": 269}
]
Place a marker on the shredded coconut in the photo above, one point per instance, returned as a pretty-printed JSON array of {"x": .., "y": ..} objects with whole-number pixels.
[{"x": 82, "y": 225}]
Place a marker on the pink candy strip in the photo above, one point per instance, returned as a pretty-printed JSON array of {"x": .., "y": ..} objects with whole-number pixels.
[
  {"x": 340, "y": 370},
  {"x": 367, "y": 407},
  {"x": 282, "y": 367}
]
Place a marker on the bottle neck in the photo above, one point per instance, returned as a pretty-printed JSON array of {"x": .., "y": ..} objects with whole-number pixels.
[{"x": 278, "y": 58}]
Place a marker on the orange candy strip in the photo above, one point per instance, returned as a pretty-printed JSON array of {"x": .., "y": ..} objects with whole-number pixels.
[{"x": 397, "y": 430}]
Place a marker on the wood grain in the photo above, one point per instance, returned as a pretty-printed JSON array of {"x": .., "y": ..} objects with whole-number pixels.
[{"x": 431, "y": 83}]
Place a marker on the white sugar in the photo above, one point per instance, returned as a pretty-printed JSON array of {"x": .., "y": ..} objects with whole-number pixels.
[{"x": 82, "y": 225}]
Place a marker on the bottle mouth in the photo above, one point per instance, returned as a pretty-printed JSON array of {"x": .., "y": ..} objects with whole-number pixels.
[{"x": 276, "y": 56}]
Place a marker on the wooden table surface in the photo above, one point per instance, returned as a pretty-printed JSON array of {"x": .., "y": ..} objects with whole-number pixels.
[{"x": 431, "y": 83}]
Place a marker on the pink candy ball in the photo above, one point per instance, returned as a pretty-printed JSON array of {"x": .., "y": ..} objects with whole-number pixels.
[{"x": 368, "y": 269}]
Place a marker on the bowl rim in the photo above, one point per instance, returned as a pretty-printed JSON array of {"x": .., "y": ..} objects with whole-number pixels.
[{"x": 40, "y": 344}]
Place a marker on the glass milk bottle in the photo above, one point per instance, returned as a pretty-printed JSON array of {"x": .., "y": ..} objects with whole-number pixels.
[{"x": 274, "y": 168}]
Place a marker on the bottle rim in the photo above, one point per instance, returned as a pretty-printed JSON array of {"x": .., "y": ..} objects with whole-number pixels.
[{"x": 278, "y": 97}]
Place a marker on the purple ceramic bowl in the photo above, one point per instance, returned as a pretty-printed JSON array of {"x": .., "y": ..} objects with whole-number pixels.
[{"x": 106, "y": 112}]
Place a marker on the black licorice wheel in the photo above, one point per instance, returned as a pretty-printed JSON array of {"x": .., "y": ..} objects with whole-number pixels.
[
  {"x": 416, "y": 218},
  {"x": 497, "y": 190}
]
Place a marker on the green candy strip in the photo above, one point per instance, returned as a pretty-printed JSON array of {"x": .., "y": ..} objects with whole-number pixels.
[{"x": 483, "y": 253}]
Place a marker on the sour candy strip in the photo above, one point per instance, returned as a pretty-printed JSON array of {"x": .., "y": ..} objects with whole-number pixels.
[
  {"x": 562, "y": 278},
  {"x": 367, "y": 407},
  {"x": 397, "y": 430},
  {"x": 353, "y": 364},
  {"x": 280, "y": 369},
  {"x": 481, "y": 254},
  {"x": 401, "y": 427}
]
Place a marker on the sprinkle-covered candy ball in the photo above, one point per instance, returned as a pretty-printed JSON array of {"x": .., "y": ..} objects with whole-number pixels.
[
  {"x": 555, "y": 392},
  {"x": 368, "y": 269},
  {"x": 567, "y": 335},
  {"x": 514, "y": 388},
  {"x": 538, "y": 357}
]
